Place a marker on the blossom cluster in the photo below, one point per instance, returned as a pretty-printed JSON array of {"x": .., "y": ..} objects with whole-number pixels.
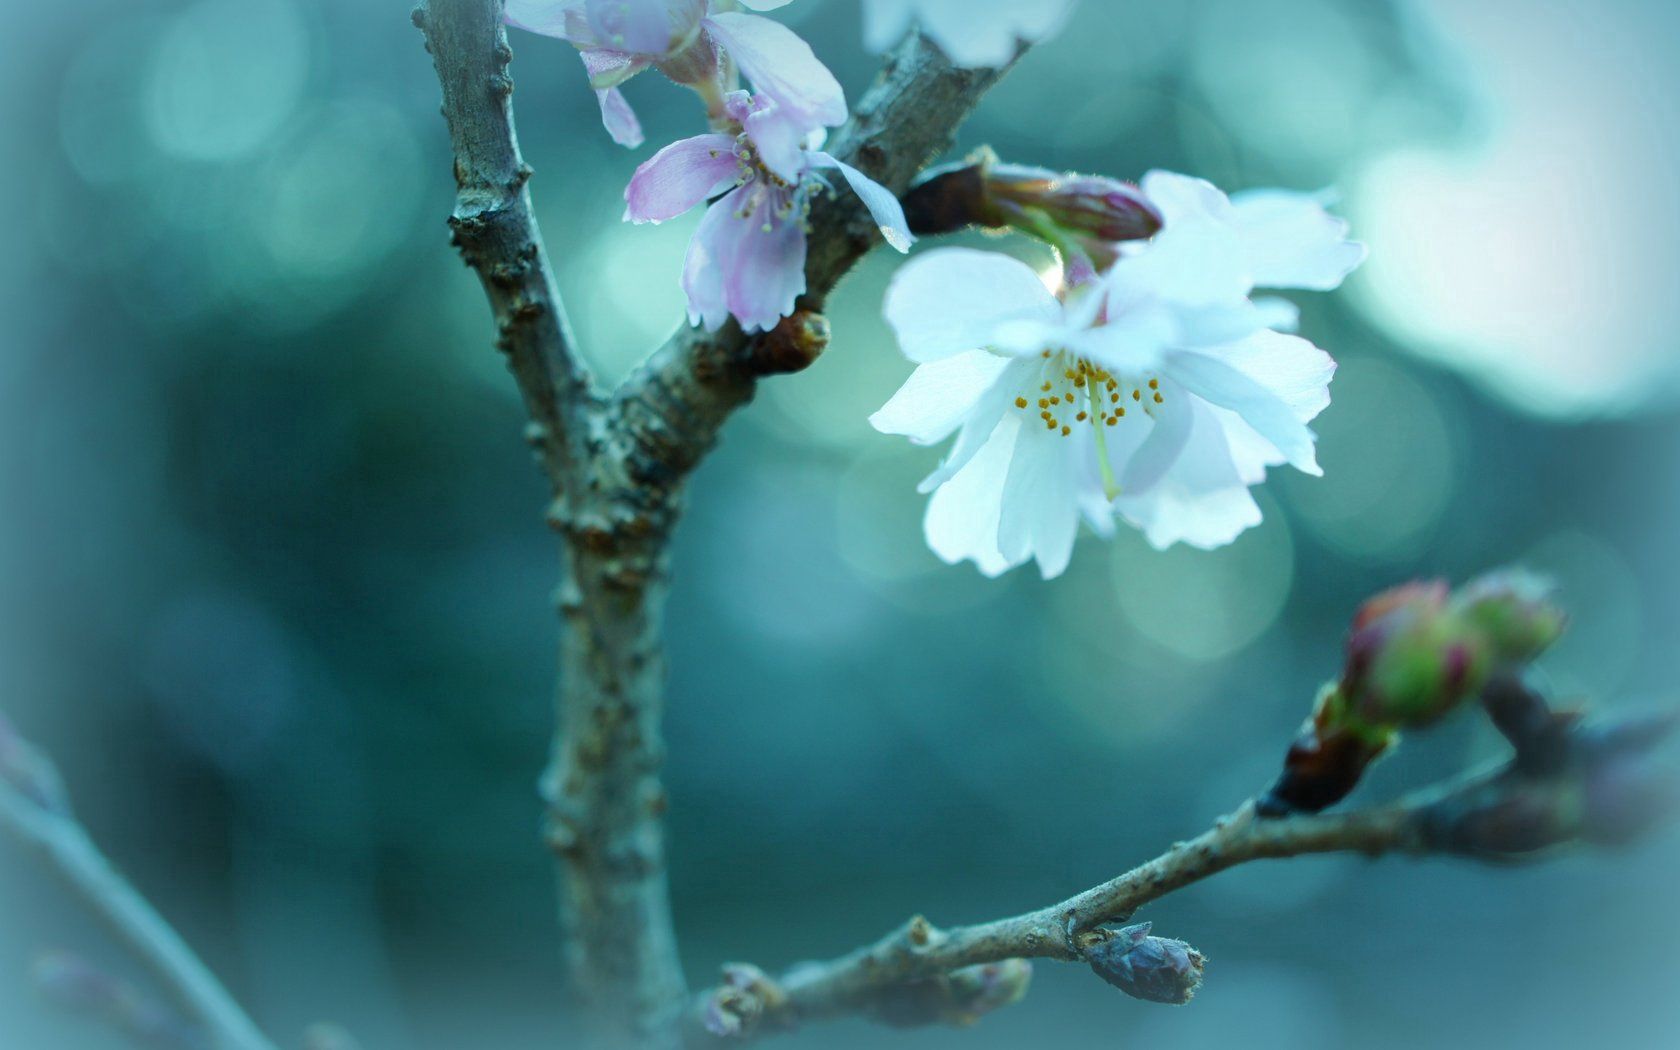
[
  {"x": 763, "y": 154},
  {"x": 1147, "y": 383},
  {"x": 1154, "y": 391}
]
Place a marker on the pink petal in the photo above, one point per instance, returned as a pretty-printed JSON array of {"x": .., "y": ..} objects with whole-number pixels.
[
  {"x": 557, "y": 18},
  {"x": 619, "y": 119},
  {"x": 882, "y": 205},
  {"x": 680, "y": 176},
  {"x": 640, "y": 26},
  {"x": 608, "y": 68},
  {"x": 737, "y": 266},
  {"x": 781, "y": 66}
]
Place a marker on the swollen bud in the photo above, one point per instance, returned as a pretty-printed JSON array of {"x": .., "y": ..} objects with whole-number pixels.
[
  {"x": 1409, "y": 658},
  {"x": 1156, "y": 969},
  {"x": 1513, "y": 611},
  {"x": 1085, "y": 214},
  {"x": 735, "y": 1007}
]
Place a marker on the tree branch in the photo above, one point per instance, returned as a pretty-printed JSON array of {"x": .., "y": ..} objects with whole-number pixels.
[
  {"x": 495, "y": 229},
  {"x": 618, "y": 468},
  {"x": 34, "y": 810},
  {"x": 1567, "y": 783},
  {"x": 671, "y": 409}
]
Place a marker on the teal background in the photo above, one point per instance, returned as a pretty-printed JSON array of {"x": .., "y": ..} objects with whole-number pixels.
[{"x": 274, "y": 584}]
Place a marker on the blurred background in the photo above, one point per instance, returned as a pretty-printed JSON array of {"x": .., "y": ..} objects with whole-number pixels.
[{"x": 274, "y": 580}]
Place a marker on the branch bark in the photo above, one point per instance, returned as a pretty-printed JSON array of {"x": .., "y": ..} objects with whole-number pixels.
[
  {"x": 864, "y": 980},
  {"x": 618, "y": 467},
  {"x": 33, "y": 809}
]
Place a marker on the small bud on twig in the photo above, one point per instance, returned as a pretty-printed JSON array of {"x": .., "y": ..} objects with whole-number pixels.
[
  {"x": 77, "y": 985},
  {"x": 30, "y": 772},
  {"x": 793, "y": 345},
  {"x": 735, "y": 1007},
  {"x": 1088, "y": 215},
  {"x": 1155, "y": 969},
  {"x": 960, "y": 997},
  {"x": 1414, "y": 654}
]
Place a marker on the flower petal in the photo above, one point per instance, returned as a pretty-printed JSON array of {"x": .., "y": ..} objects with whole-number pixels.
[
  {"x": 640, "y": 26},
  {"x": 1295, "y": 370},
  {"x": 1273, "y": 418},
  {"x": 882, "y": 205},
  {"x": 1290, "y": 241},
  {"x": 952, "y": 299},
  {"x": 976, "y": 33},
  {"x": 1203, "y": 500},
  {"x": 608, "y": 68},
  {"x": 982, "y": 420},
  {"x": 885, "y": 22},
  {"x": 1159, "y": 451},
  {"x": 962, "y": 517},
  {"x": 619, "y": 119},
  {"x": 1040, "y": 514},
  {"x": 680, "y": 176},
  {"x": 939, "y": 396},
  {"x": 558, "y": 18},
  {"x": 752, "y": 267},
  {"x": 781, "y": 66}
]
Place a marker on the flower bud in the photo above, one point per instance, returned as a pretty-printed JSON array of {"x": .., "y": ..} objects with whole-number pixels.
[
  {"x": 1409, "y": 660},
  {"x": 735, "y": 1007},
  {"x": 960, "y": 997},
  {"x": 1080, "y": 214},
  {"x": 29, "y": 772},
  {"x": 1512, "y": 610},
  {"x": 1156, "y": 969},
  {"x": 1326, "y": 760},
  {"x": 74, "y": 984}
]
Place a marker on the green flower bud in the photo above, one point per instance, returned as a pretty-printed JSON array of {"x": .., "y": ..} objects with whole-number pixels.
[
  {"x": 1410, "y": 659},
  {"x": 1512, "y": 610}
]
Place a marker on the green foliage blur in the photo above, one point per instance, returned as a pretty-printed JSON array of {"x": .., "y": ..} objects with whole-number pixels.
[{"x": 275, "y": 586}]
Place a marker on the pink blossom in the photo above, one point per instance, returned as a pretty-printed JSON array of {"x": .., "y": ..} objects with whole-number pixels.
[
  {"x": 747, "y": 258},
  {"x": 688, "y": 41}
]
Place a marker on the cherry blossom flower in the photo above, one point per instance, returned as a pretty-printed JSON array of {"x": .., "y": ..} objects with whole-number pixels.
[
  {"x": 747, "y": 258},
  {"x": 688, "y": 41},
  {"x": 1158, "y": 393},
  {"x": 972, "y": 33}
]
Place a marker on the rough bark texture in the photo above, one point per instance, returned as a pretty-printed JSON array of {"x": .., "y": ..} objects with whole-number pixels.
[{"x": 618, "y": 465}]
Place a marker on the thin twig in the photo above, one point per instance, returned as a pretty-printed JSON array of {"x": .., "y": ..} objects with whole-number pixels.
[
  {"x": 39, "y": 820},
  {"x": 918, "y": 950},
  {"x": 495, "y": 228}
]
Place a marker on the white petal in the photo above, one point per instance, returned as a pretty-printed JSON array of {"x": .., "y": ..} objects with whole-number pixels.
[
  {"x": 939, "y": 396},
  {"x": 560, "y": 18},
  {"x": 952, "y": 299},
  {"x": 1203, "y": 500},
  {"x": 1290, "y": 241},
  {"x": 982, "y": 420},
  {"x": 984, "y": 33},
  {"x": 1219, "y": 383},
  {"x": 1165, "y": 442},
  {"x": 885, "y": 22},
  {"x": 764, "y": 5},
  {"x": 1295, "y": 370},
  {"x": 1040, "y": 515},
  {"x": 883, "y": 206},
  {"x": 962, "y": 517}
]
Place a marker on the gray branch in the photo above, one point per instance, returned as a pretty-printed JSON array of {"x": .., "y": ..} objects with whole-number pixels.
[
  {"x": 34, "y": 810},
  {"x": 495, "y": 229},
  {"x": 618, "y": 467}
]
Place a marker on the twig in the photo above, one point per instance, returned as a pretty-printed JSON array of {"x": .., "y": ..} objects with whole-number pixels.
[
  {"x": 32, "y": 809},
  {"x": 618, "y": 469},
  {"x": 495, "y": 229}
]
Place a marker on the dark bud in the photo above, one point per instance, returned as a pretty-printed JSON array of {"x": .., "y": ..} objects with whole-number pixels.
[
  {"x": 793, "y": 345},
  {"x": 1155, "y": 969},
  {"x": 1089, "y": 215},
  {"x": 1324, "y": 764}
]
